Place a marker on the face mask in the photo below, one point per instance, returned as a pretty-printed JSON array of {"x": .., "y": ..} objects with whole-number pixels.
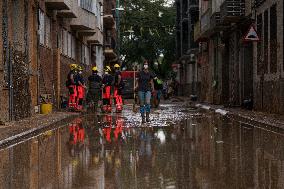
[
  {"x": 80, "y": 72},
  {"x": 145, "y": 66}
]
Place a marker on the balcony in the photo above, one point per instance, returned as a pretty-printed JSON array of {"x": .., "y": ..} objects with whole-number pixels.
[
  {"x": 96, "y": 39},
  {"x": 215, "y": 22},
  {"x": 86, "y": 33},
  {"x": 72, "y": 12},
  {"x": 108, "y": 21},
  {"x": 257, "y": 3},
  {"x": 58, "y": 4},
  {"x": 232, "y": 11},
  {"x": 109, "y": 54},
  {"x": 85, "y": 20}
]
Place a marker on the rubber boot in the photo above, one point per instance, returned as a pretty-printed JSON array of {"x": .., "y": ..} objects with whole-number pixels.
[
  {"x": 147, "y": 116},
  {"x": 143, "y": 117}
]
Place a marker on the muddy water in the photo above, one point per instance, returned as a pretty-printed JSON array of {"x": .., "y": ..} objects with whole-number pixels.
[{"x": 198, "y": 151}]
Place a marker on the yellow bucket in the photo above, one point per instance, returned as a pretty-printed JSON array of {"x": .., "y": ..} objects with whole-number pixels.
[{"x": 45, "y": 108}]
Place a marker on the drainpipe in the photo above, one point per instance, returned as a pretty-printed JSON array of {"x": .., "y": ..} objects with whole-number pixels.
[
  {"x": 7, "y": 58},
  {"x": 38, "y": 55}
]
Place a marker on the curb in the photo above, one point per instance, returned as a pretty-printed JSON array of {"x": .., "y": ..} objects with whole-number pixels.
[
  {"x": 34, "y": 132},
  {"x": 246, "y": 119}
]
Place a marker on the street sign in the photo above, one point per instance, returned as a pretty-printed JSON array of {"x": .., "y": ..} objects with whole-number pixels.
[{"x": 251, "y": 35}]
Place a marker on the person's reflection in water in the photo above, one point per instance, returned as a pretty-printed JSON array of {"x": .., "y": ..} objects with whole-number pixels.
[
  {"x": 107, "y": 119},
  {"x": 76, "y": 137},
  {"x": 118, "y": 132}
]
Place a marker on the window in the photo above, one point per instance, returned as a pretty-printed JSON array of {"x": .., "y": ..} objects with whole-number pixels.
[
  {"x": 82, "y": 54},
  {"x": 65, "y": 42},
  {"x": 73, "y": 47},
  {"x": 41, "y": 27},
  {"x": 59, "y": 39},
  {"x": 44, "y": 29},
  {"x": 85, "y": 54},
  {"x": 48, "y": 32},
  {"x": 89, "y": 5},
  {"x": 69, "y": 46},
  {"x": 98, "y": 16},
  {"x": 273, "y": 39}
]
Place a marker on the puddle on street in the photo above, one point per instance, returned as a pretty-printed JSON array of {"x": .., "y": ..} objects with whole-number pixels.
[{"x": 107, "y": 152}]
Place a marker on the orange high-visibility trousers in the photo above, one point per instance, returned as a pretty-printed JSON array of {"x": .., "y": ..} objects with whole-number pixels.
[
  {"x": 118, "y": 99},
  {"x": 72, "y": 96},
  {"x": 80, "y": 97},
  {"x": 106, "y": 99},
  {"x": 73, "y": 131}
]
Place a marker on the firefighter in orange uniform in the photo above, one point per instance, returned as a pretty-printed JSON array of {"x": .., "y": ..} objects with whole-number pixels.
[
  {"x": 107, "y": 83},
  {"x": 71, "y": 85},
  {"x": 80, "y": 88},
  {"x": 118, "y": 86}
]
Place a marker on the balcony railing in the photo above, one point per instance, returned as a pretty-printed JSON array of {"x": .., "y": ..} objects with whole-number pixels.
[
  {"x": 232, "y": 10},
  {"x": 58, "y": 4}
]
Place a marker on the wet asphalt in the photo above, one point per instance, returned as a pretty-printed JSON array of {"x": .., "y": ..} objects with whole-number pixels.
[{"x": 180, "y": 148}]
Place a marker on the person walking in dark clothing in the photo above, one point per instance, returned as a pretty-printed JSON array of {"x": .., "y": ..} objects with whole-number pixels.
[
  {"x": 145, "y": 87},
  {"x": 95, "y": 85}
]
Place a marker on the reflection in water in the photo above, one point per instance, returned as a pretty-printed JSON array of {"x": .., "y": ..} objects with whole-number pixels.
[{"x": 100, "y": 152}]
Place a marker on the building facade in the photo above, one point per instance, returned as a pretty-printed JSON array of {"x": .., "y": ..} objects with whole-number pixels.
[
  {"x": 110, "y": 32},
  {"x": 186, "y": 47},
  {"x": 40, "y": 39},
  {"x": 233, "y": 70}
]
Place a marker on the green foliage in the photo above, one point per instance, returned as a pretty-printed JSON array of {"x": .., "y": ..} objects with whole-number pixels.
[{"x": 153, "y": 33}]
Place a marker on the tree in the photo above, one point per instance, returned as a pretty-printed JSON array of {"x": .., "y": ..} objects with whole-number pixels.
[{"x": 152, "y": 23}]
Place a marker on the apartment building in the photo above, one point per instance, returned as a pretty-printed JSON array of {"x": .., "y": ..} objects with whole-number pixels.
[
  {"x": 110, "y": 32},
  {"x": 40, "y": 39},
  {"x": 186, "y": 47},
  {"x": 231, "y": 69}
]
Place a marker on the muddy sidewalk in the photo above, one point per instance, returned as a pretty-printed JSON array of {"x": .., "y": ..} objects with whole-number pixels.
[{"x": 11, "y": 132}]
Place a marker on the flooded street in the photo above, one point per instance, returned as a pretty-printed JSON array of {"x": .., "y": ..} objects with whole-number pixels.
[{"x": 181, "y": 148}]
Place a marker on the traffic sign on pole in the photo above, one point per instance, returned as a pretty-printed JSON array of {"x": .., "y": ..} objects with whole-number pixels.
[{"x": 251, "y": 35}]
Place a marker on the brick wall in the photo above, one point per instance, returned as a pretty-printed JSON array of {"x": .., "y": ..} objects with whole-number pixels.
[
  {"x": 46, "y": 71},
  {"x": 64, "y": 70}
]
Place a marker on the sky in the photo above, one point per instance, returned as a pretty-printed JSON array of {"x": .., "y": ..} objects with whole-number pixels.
[{"x": 170, "y": 2}]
